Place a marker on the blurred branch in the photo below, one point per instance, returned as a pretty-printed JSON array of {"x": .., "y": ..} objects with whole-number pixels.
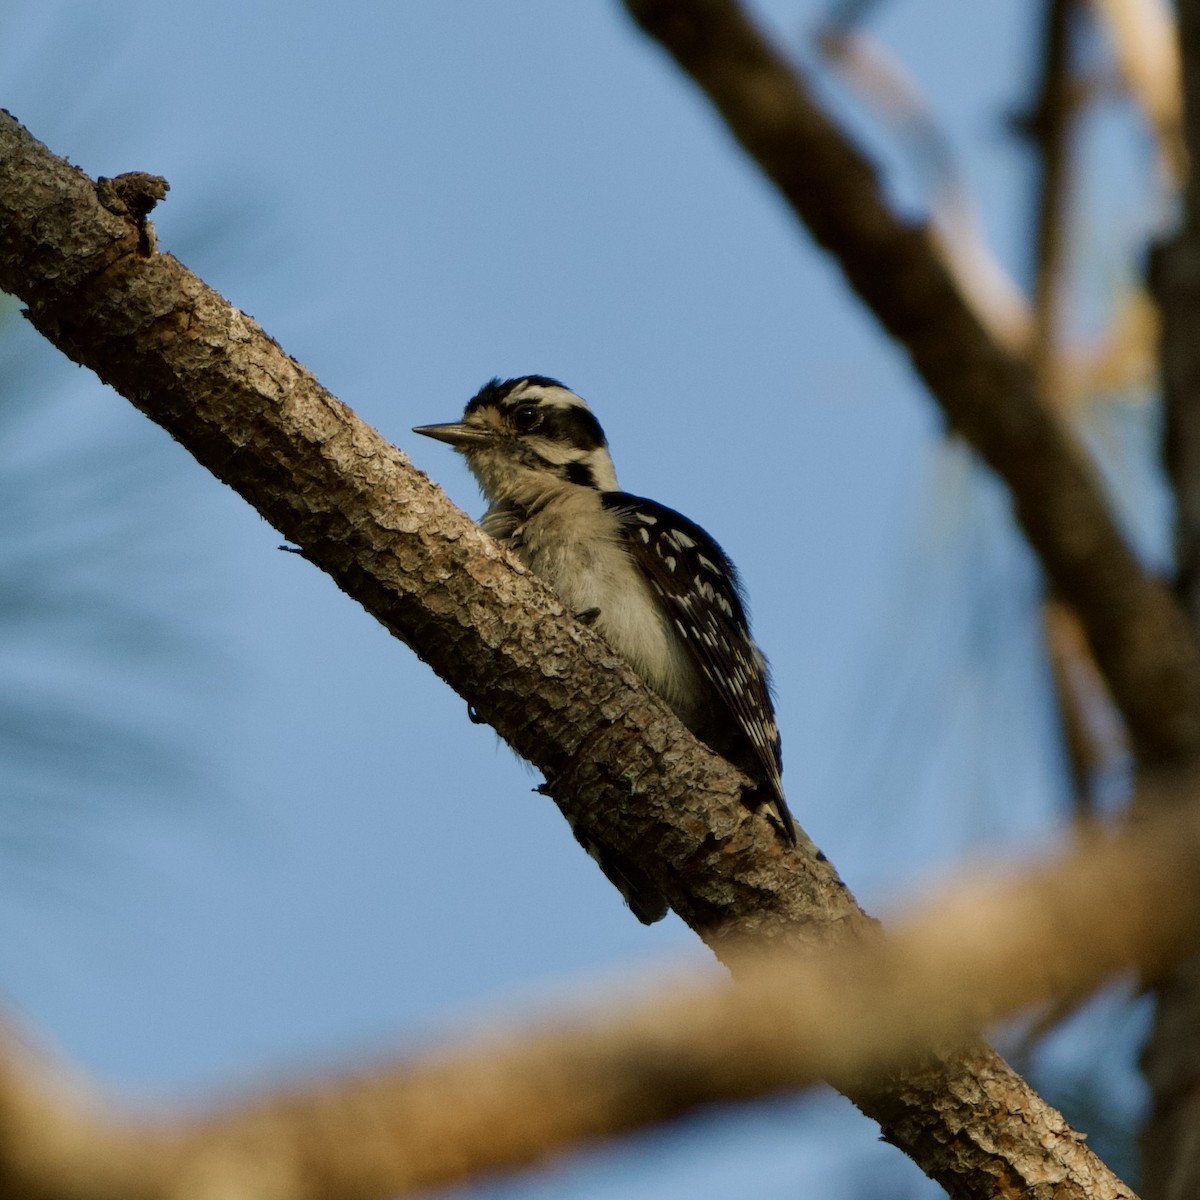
[
  {"x": 1084, "y": 703},
  {"x": 617, "y": 761},
  {"x": 1048, "y": 127},
  {"x": 1171, "y": 1060},
  {"x": 1139, "y": 637},
  {"x": 878, "y": 79},
  {"x": 1175, "y": 277},
  {"x": 978, "y": 952},
  {"x": 1092, "y": 730},
  {"x": 1142, "y": 33},
  {"x": 1123, "y": 357}
]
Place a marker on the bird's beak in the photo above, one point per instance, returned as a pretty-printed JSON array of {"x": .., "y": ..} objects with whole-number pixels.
[{"x": 458, "y": 434}]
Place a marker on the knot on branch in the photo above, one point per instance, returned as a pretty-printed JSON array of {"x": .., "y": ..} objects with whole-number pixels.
[{"x": 133, "y": 196}]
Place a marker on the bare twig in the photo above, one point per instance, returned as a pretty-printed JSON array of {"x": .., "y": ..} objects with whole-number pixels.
[
  {"x": 955, "y": 228},
  {"x": 1143, "y": 36},
  {"x": 1049, "y": 126},
  {"x": 1092, "y": 729},
  {"x": 1123, "y": 356}
]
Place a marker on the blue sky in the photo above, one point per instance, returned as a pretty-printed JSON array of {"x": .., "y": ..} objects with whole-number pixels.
[{"x": 412, "y": 198}]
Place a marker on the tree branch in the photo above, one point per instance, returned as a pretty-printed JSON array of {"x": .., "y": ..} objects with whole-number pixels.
[
  {"x": 1140, "y": 638},
  {"x": 618, "y": 763},
  {"x": 1049, "y": 128},
  {"x": 1171, "y": 1060},
  {"x": 614, "y": 756},
  {"x": 955, "y": 230},
  {"x": 1144, "y": 41}
]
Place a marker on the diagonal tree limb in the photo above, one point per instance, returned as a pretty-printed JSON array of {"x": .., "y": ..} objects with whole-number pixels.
[
  {"x": 391, "y": 539},
  {"x": 618, "y": 763},
  {"x": 1140, "y": 638}
]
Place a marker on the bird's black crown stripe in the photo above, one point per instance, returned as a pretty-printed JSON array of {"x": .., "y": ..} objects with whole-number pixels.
[{"x": 496, "y": 390}]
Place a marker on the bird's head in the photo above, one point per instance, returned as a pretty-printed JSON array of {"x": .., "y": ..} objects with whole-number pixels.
[{"x": 529, "y": 433}]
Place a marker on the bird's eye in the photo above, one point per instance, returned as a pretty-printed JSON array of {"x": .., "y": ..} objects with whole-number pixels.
[{"x": 526, "y": 417}]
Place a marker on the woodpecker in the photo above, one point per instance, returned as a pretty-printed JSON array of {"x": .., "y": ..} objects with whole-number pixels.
[{"x": 656, "y": 586}]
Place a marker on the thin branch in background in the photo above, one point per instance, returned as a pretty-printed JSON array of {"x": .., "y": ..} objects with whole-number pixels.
[
  {"x": 1146, "y": 45},
  {"x": 1095, "y": 742},
  {"x": 1048, "y": 126},
  {"x": 1121, "y": 358},
  {"x": 1095, "y": 737},
  {"x": 1124, "y": 358},
  {"x": 877, "y": 78}
]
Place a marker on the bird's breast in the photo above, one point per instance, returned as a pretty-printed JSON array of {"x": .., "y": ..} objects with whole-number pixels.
[{"x": 578, "y": 548}]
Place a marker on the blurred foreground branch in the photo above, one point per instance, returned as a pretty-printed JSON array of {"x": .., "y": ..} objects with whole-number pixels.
[
  {"x": 616, "y": 760},
  {"x": 977, "y": 953},
  {"x": 1140, "y": 637}
]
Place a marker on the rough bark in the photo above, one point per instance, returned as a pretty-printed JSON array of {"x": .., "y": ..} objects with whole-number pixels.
[
  {"x": 616, "y": 760},
  {"x": 1140, "y": 639}
]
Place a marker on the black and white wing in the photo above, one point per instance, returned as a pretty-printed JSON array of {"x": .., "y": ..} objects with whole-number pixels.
[{"x": 700, "y": 589}]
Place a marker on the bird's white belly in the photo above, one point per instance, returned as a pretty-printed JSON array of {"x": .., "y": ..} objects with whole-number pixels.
[{"x": 596, "y": 572}]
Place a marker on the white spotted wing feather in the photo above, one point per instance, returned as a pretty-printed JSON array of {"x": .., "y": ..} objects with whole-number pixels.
[{"x": 699, "y": 588}]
